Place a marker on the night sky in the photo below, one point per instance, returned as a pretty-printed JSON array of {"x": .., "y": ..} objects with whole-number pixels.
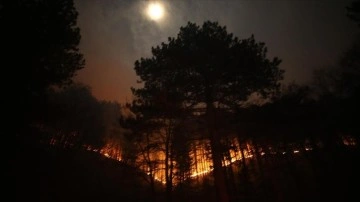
[{"x": 305, "y": 34}]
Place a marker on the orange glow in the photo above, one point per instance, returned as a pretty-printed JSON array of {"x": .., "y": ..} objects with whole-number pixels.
[
  {"x": 200, "y": 173},
  {"x": 199, "y": 155},
  {"x": 348, "y": 141},
  {"x": 111, "y": 151}
]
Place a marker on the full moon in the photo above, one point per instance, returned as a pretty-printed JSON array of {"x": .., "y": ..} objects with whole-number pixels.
[{"x": 155, "y": 11}]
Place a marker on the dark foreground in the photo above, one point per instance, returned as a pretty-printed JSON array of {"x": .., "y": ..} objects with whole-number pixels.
[
  {"x": 51, "y": 174},
  {"x": 311, "y": 176},
  {"x": 44, "y": 173}
]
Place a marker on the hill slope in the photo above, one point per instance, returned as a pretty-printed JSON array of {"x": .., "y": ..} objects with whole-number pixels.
[{"x": 50, "y": 174}]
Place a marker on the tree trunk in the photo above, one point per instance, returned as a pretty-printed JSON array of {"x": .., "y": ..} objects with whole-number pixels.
[
  {"x": 219, "y": 177},
  {"x": 258, "y": 157},
  {"x": 146, "y": 155},
  {"x": 152, "y": 186},
  {"x": 243, "y": 161},
  {"x": 168, "y": 165}
]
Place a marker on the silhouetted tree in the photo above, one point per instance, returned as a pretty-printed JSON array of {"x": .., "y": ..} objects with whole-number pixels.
[
  {"x": 353, "y": 11},
  {"x": 40, "y": 41},
  {"x": 181, "y": 149},
  {"x": 162, "y": 111},
  {"x": 206, "y": 67},
  {"x": 75, "y": 117},
  {"x": 326, "y": 82},
  {"x": 343, "y": 79},
  {"x": 144, "y": 134},
  {"x": 350, "y": 71},
  {"x": 338, "y": 89},
  {"x": 113, "y": 132}
]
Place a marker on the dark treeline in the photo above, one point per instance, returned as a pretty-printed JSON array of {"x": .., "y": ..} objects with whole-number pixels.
[
  {"x": 200, "y": 85},
  {"x": 205, "y": 94},
  {"x": 40, "y": 41},
  {"x": 58, "y": 124}
]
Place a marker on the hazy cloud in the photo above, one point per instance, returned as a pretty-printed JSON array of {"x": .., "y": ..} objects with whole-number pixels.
[{"x": 115, "y": 33}]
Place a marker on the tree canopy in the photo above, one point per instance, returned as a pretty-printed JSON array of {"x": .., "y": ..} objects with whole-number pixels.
[
  {"x": 204, "y": 68},
  {"x": 207, "y": 65},
  {"x": 40, "y": 41},
  {"x": 353, "y": 11},
  {"x": 43, "y": 40},
  {"x": 77, "y": 115}
]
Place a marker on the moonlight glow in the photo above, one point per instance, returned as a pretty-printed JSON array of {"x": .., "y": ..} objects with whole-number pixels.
[{"x": 155, "y": 11}]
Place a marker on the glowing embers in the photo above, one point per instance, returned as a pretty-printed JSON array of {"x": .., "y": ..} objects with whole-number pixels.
[
  {"x": 200, "y": 158},
  {"x": 111, "y": 151},
  {"x": 65, "y": 140},
  {"x": 235, "y": 153},
  {"x": 201, "y": 173},
  {"x": 348, "y": 140}
]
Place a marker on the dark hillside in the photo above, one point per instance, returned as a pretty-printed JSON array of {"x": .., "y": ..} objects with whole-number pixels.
[{"x": 51, "y": 174}]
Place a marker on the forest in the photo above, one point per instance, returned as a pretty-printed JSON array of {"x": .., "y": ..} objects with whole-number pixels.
[{"x": 210, "y": 119}]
